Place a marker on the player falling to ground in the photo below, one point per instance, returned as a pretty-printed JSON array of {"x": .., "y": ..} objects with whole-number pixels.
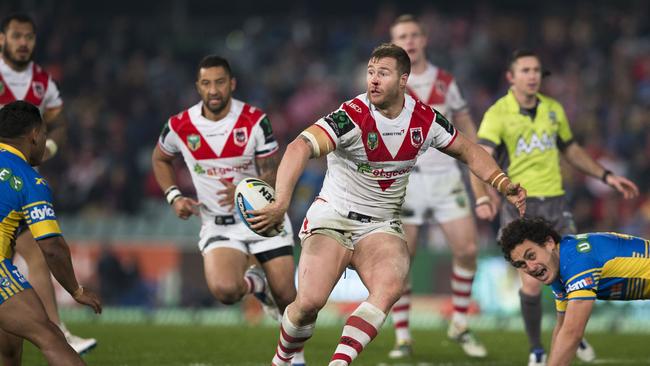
[
  {"x": 25, "y": 199},
  {"x": 355, "y": 220},
  {"x": 436, "y": 188},
  {"x": 224, "y": 140},
  {"x": 22, "y": 79},
  {"x": 529, "y": 131},
  {"x": 580, "y": 269}
]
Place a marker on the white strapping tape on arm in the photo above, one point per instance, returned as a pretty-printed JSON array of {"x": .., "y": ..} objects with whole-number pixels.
[{"x": 309, "y": 136}]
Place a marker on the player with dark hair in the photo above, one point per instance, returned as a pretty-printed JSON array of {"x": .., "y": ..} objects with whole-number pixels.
[
  {"x": 355, "y": 220},
  {"x": 224, "y": 140},
  {"x": 580, "y": 269},
  {"x": 25, "y": 199},
  {"x": 22, "y": 79},
  {"x": 528, "y": 131}
]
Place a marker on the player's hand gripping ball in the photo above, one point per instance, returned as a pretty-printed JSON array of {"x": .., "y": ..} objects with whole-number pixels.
[{"x": 254, "y": 194}]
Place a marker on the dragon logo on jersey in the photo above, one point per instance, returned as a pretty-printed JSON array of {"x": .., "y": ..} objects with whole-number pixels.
[
  {"x": 416, "y": 136},
  {"x": 240, "y": 135},
  {"x": 193, "y": 142},
  {"x": 39, "y": 89},
  {"x": 372, "y": 141}
]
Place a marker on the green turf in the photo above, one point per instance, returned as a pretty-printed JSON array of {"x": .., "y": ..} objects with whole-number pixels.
[{"x": 141, "y": 345}]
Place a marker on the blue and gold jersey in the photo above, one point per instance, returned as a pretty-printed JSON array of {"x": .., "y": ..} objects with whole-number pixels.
[
  {"x": 606, "y": 266},
  {"x": 25, "y": 198}
]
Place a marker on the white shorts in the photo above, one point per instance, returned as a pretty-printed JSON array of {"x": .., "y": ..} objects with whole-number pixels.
[
  {"x": 239, "y": 236},
  {"x": 441, "y": 196},
  {"x": 322, "y": 218}
]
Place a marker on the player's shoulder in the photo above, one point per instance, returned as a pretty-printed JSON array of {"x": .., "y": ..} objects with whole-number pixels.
[
  {"x": 356, "y": 109},
  {"x": 500, "y": 106},
  {"x": 445, "y": 75},
  {"x": 249, "y": 113},
  {"x": 576, "y": 254},
  {"x": 16, "y": 173}
]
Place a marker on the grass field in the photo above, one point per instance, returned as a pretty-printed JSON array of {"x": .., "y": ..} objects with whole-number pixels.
[{"x": 143, "y": 345}]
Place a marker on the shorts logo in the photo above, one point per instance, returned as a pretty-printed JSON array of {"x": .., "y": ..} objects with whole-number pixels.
[
  {"x": 584, "y": 247},
  {"x": 193, "y": 142},
  {"x": 372, "y": 141},
  {"x": 5, "y": 282},
  {"x": 240, "y": 136},
  {"x": 416, "y": 136},
  {"x": 39, "y": 89}
]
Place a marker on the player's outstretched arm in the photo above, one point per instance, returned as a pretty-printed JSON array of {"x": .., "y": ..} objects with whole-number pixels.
[
  {"x": 57, "y": 255},
  {"x": 483, "y": 166},
  {"x": 579, "y": 158},
  {"x": 311, "y": 143},
  {"x": 565, "y": 343},
  {"x": 559, "y": 320}
]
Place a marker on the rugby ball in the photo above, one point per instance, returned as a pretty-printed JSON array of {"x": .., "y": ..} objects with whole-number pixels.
[{"x": 254, "y": 194}]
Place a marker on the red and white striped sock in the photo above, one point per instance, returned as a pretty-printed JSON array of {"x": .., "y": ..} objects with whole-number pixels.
[
  {"x": 360, "y": 328},
  {"x": 400, "y": 313},
  {"x": 292, "y": 340},
  {"x": 254, "y": 284},
  {"x": 461, "y": 287}
]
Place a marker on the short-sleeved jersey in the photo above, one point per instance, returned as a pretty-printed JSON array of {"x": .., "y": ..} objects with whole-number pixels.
[
  {"x": 219, "y": 149},
  {"x": 33, "y": 85},
  {"x": 438, "y": 89},
  {"x": 25, "y": 199},
  {"x": 528, "y": 149},
  {"x": 606, "y": 266},
  {"x": 368, "y": 170}
]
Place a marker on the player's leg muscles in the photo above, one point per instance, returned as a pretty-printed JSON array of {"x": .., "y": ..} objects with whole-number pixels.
[
  {"x": 461, "y": 236},
  {"x": 23, "y": 315},
  {"x": 39, "y": 273},
  {"x": 382, "y": 262},
  {"x": 322, "y": 262},
  {"x": 224, "y": 273},
  {"x": 280, "y": 271}
]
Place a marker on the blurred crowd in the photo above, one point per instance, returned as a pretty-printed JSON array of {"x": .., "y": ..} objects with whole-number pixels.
[{"x": 123, "y": 74}]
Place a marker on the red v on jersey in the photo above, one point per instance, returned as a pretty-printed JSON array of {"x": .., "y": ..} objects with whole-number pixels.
[
  {"x": 35, "y": 91},
  {"x": 375, "y": 147},
  {"x": 235, "y": 144},
  {"x": 439, "y": 89}
]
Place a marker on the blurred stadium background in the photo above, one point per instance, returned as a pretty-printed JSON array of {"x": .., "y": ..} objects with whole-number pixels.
[{"x": 123, "y": 67}]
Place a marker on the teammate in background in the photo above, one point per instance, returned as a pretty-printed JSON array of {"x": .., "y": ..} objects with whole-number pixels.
[
  {"x": 580, "y": 269},
  {"x": 223, "y": 141},
  {"x": 436, "y": 187},
  {"x": 22, "y": 79},
  {"x": 25, "y": 198},
  {"x": 355, "y": 220},
  {"x": 529, "y": 131}
]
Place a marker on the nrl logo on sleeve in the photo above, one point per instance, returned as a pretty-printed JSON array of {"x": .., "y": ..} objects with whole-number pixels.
[
  {"x": 193, "y": 142},
  {"x": 372, "y": 140},
  {"x": 416, "y": 136},
  {"x": 240, "y": 135}
]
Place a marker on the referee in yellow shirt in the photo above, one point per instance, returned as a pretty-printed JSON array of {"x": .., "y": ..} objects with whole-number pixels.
[{"x": 527, "y": 131}]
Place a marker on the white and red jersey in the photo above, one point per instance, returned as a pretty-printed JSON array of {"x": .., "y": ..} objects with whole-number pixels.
[
  {"x": 33, "y": 85},
  {"x": 368, "y": 170},
  {"x": 438, "y": 89},
  {"x": 219, "y": 149}
]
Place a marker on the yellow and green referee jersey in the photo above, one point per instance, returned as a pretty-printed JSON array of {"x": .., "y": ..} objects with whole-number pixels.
[
  {"x": 606, "y": 266},
  {"x": 25, "y": 198},
  {"x": 528, "y": 148}
]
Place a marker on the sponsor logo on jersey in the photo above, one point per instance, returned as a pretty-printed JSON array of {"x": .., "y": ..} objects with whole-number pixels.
[
  {"x": 366, "y": 169},
  {"x": 5, "y": 174},
  {"x": 543, "y": 143},
  {"x": 40, "y": 181},
  {"x": 552, "y": 116},
  {"x": 587, "y": 281},
  {"x": 221, "y": 171},
  {"x": 339, "y": 122},
  {"x": 354, "y": 106},
  {"x": 193, "y": 142},
  {"x": 394, "y": 133},
  {"x": 240, "y": 135},
  {"x": 416, "y": 136},
  {"x": 584, "y": 247},
  {"x": 39, "y": 89},
  {"x": 41, "y": 213},
  {"x": 373, "y": 140},
  {"x": 16, "y": 183},
  {"x": 443, "y": 122},
  {"x": 268, "y": 130}
]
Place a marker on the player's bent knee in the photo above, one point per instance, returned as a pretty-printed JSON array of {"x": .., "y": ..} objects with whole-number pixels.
[
  {"x": 310, "y": 305},
  {"x": 227, "y": 294}
]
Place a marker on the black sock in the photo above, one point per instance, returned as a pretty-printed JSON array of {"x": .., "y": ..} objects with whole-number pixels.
[{"x": 531, "y": 311}]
